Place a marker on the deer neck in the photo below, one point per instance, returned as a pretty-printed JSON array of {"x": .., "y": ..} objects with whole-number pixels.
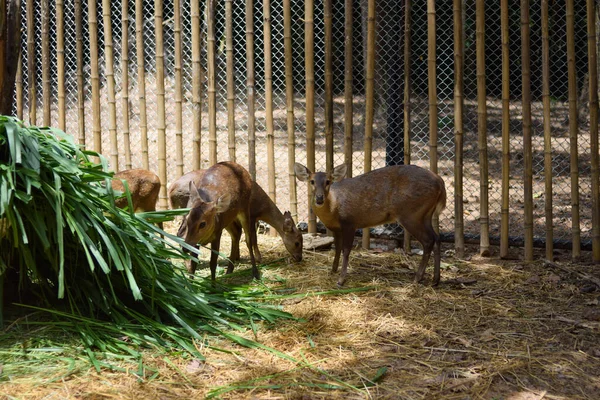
[{"x": 272, "y": 216}]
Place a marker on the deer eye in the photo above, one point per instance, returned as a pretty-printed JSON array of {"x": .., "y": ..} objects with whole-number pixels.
[
  {"x": 297, "y": 244},
  {"x": 312, "y": 182},
  {"x": 327, "y": 183},
  {"x": 202, "y": 224}
]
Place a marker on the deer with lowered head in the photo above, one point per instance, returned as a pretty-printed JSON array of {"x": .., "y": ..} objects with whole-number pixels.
[
  {"x": 221, "y": 199},
  {"x": 261, "y": 208},
  {"x": 406, "y": 194},
  {"x": 143, "y": 185}
]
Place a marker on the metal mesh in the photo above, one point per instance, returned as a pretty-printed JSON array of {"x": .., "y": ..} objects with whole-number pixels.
[{"x": 389, "y": 83}]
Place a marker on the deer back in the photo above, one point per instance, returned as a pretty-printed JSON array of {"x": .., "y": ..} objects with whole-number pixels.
[{"x": 144, "y": 187}]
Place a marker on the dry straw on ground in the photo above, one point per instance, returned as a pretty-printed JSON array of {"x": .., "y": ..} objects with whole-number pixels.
[{"x": 492, "y": 330}]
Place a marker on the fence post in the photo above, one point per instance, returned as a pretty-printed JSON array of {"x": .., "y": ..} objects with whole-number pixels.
[
  {"x": 504, "y": 220},
  {"x": 60, "y": 63},
  {"x": 95, "y": 75},
  {"x": 289, "y": 94},
  {"x": 250, "y": 88},
  {"x": 593, "y": 82},
  {"x": 178, "y": 89},
  {"x": 230, "y": 78},
  {"x": 110, "y": 83},
  {"x": 547, "y": 131},
  {"x": 328, "y": 22},
  {"x": 459, "y": 234},
  {"x": 310, "y": 102},
  {"x": 46, "y": 80},
  {"x": 370, "y": 102},
  {"x": 527, "y": 157},
  {"x": 196, "y": 84},
  {"x": 574, "y": 131},
  {"x": 125, "y": 81},
  {"x": 160, "y": 103},
  {"x": 484, "y": 244},
  {"x": 79, "y": 55},
  {"x": 431, "y": 78},
  {"x": 348, "y": 87},
  {"x": 269, "y": 102},
  {"x": 212, "y": 90}
]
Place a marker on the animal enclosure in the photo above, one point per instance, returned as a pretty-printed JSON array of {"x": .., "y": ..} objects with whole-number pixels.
[{"x": 500, "y": 98}]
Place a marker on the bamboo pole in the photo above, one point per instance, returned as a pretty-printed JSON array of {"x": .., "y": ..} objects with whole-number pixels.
[
  {"x": 574, "y": 131},
  {"x": 289, "y": 94},
  {"x": 110, "y": 86},
  {"x": 547, "y": 131},
  {"x": 141, "y": 83},
  {"x": 95, "y": 75},
  {"x": 60, "y": 63},
  {"x": 431, "y": 78},
  {"x": 196, "y": 85},
  {"x": 504, "y": 220},
  {"x": 178, "y": 89},
  {"x": 484, "y": 244},
  {"x": 212, "y": 90},
  {"x": 407, "y": 96},
  {"x": 348, "y": 87},
  {"x": 46, "y": 80},
  {"x": 309, "y": 60},
  {"x": 79, "y": 72},
  {"x": 370, "y": 101},
  {"x": 269, "y": 100},
  {"x": 593, "y": 82},
  {"x": 328, "y": 19},
  {"x": 160, "y": 103},
  {"x": 527, "y": 150},
  {"x": 19, "y": 87},
  {"x": 125, "y": 81},
  {"x": 459, "y": 101},
  {"x": 230, "y": 77},
  {"x": 31, "y": 64},
  {"x": 251, "y": 95}
]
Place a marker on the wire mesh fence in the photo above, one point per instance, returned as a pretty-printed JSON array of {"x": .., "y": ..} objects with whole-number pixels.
[{"x": 389, "y": 92}]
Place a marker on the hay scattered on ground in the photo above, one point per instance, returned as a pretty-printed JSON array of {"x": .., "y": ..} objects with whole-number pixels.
[{"x": 492, "y": 329}]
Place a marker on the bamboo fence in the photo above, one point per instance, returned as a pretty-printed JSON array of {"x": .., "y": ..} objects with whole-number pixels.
[{"x": 129, "y": 127}]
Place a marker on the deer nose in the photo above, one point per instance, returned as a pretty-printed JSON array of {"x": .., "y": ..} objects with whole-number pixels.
[{"x": 319, "y": 199}]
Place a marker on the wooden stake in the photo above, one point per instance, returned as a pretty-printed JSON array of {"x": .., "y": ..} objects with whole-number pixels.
[
  {"x": 79, "y": 69},
  {"x": 178, "y": 89},
  {"x": 484, "y": 246},
  {"x": 139, "y": 38},
  {"x": 459, "y": 100},
  {"x": 289, "y": 94},
  {"x": 46, "y": 80},
  {"x": 160, "y": 103},
  {"x": 230, "y": 77},
  {"x": 19, "y": 87},
  {"x": 370, "y": 101},
  {"x": 269, "y": 100},
  {"x": 251, "y": 97},
  {"x": 593, "y": 82},
  {"x": 504, "y": 213},
  {"x": 310, "y": 101},
  {"x": 431, "y": 79},
  {"x": 196, "y": 85},
  {"x": 60, "y": 63},
  {"x": 328, "y": 17},
  {"x": 547, "y": 131},
  {"x": 348, "y": 87},
  {"x": 125, "y": 81},
  {"x": 110, "y": 83},
  {"x": 31, "y": 82},
  {"x": 527, "y": 150},
  {"x": 212, "y": 91},
  {"x": 574, "y": 131},
  {"x": 95, "y": 75}
]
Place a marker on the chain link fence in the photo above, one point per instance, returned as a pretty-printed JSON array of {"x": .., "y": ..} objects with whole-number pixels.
[{"x": 389, "y": 87}]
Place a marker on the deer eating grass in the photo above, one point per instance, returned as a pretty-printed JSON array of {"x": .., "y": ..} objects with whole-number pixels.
[
  {"x": 144, "y": 187},
  {"x": 221, "y": 199},
  {"x": 261, "y": 208},
  {"x": 406, "y": 194}
]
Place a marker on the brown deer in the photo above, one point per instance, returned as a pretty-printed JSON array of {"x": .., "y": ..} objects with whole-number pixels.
[
  {"x": 221, "y": 199},
  {"x": 406, "y": 194},
  {"x": 261, "y": 208},
  {"x": 144, "y": 187}
]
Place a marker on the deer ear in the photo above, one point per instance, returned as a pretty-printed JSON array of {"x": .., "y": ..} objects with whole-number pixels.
[
  {"x": 302, "y": 173},
  {"x": 223, "y": 203},
  {"x": 339, "y": 172},
  {"x": 194, "y": 195},
  {"x": 288, "y": 222}
]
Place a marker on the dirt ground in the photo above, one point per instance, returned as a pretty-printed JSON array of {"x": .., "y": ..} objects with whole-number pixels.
[{"x": 493, "y": 329}]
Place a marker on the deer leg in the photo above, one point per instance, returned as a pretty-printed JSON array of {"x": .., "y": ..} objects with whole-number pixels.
[
  {"x": 214, "y": 255},
  {"x": 423, "y": 231},
  {"x": 347, "y": 242},
  {"x": 235, "y": 231},
  {"x": 251, "y": 234},
  {"x": 257, "y": 254},
  {"x": 193, "y": 263},
  {"x": 337, "y": 240},
  {"x": 436, "y": 260}
]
